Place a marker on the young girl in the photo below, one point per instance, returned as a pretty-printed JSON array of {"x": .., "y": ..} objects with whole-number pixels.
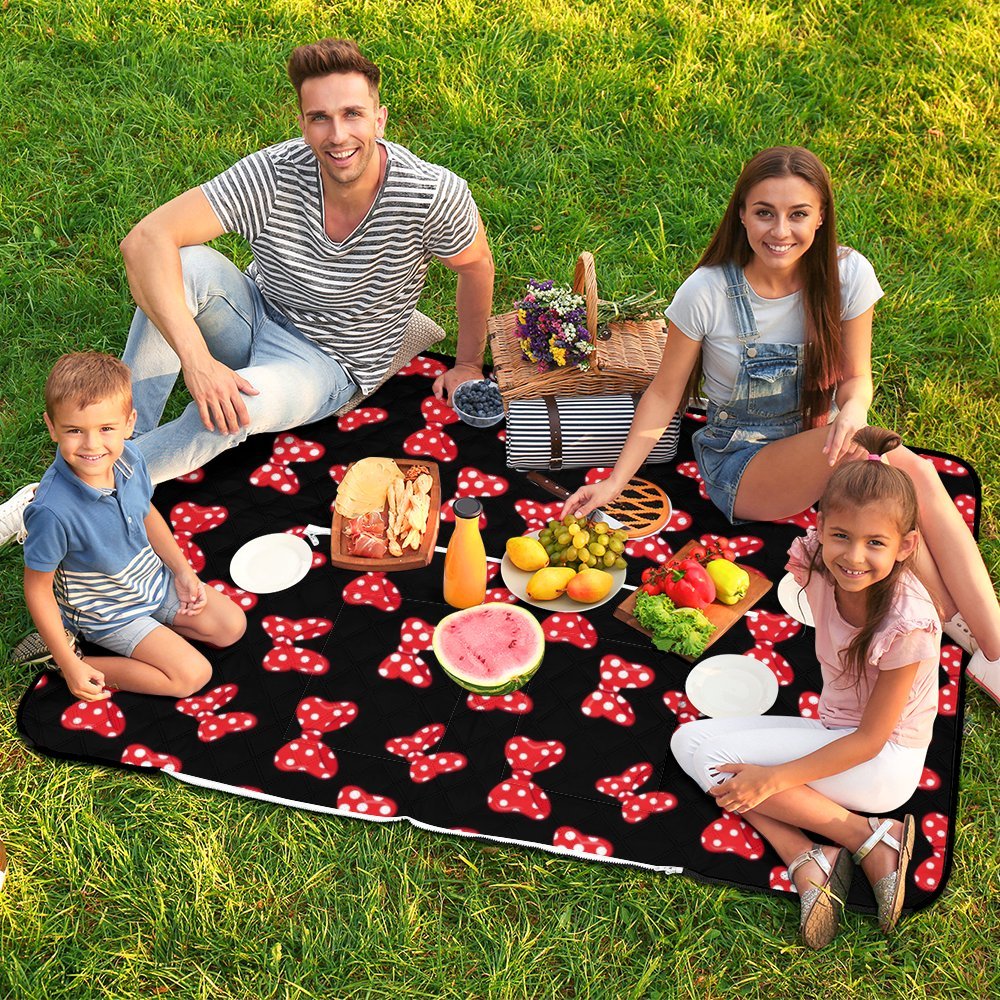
[
  {"x": 878, "y": 641},
  {"x": 777, "y": 317}
]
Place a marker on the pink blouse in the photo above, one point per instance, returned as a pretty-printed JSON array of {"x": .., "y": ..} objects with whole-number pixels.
[{"x": 910, "y": 633}]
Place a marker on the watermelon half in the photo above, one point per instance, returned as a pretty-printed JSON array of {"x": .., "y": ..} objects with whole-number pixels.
[{"x": 491, "y": 648}]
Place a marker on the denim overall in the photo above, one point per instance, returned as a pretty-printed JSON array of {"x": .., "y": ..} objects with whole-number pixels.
[{"x": 764, "y": 405}]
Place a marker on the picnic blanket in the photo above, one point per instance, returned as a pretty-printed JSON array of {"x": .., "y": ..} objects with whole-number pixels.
[{"x": 334, "y": 702}]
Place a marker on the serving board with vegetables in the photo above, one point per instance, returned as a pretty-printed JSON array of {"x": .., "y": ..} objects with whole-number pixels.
[{"x": 722, "y": 616}]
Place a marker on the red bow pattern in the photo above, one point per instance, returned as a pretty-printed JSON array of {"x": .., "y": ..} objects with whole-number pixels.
[
  {"x": 139, "y": 755},
  {"x": 212, "y": 726},
  {"x": 768, "y": 629},
  {"x": 568, "y": 626},
  {"x": 354, "y": 799},
  {"x": 415, "y": 636},
  {"x": 536, "y": 515},
  {"x": 571, "y": 839},
  {"x": 518, "y": 793},
  {"x": 636, "y": 807},
  {"x": 951, "y": 662},
  {"x": 946, "y": 465},
  {"x": 778, "y": 879},
  {"x": 420, "y": 365},
  {"x": 104, "y": 718},
  {"x": 516, "y": 703},
  {"x": 742, "y": 545},
  {"x": 308, "y": 753},
  {"x": 691, "y": 471},
  {"x": 276, "y": 473},
  {"x": 809, "y": 705},
  {"x": 967, "y": 508},
  {"x": 299, "y": 531},
  {"x": 432, "y": 440},
  {"x": 426, "y": 766},
  {"x": 652, "y": 547},
  {"x": 929, "y": 872},
  {"x": 243, "y": 598},
  {"x": 731, "y": 835},
  {"x": 374, "y": 589},
  {"x": 188, "y": 520},
  {"x": 805, "y": 519},
  {"x": 616, "y": 675},
  {"x": 194, "y": 476},
  {"x": 361, "y": 417},
  {"x": 677, "y": 702},
  {"x": 285, "y": 655}
]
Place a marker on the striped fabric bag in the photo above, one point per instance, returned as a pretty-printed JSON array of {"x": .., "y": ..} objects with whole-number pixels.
[{"x": 568, "y": 432}]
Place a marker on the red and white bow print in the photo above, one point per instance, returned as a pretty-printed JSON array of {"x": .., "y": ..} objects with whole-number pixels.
[
  {"x": 731, "y": 835},
  {"x": 518, "y": 793},
  {"x": 139, "y": 755},
  {"x": 426, "y": 766},
  {"x": 353, "y": 799},
  {"x": 568, "y": 626},
  {"x": 432, "y": 440},
  {"x": 930, "y": 871},
  {"x": 285, "y": 655},
  {"x": 635, "y": 806},
  {"x": 677, "y": 702},
  {"x": 428, "y": 367},
  {"x": 308, "y": 753},
  {"x": 516, "y": 703},
  {"x": 415, "y": 636},
  {"x": 375, "y": 590},
  {"x": 103, "y": 718},
  {"x": 768, "y": 629},
  {"x": 536, "y": 515},
  {"x": 474, "y": 483},
  {"x": 951, "y": 663},
  {"x": 616, "y": 675},
  {"x": 189, "y": 519},
  {"x": 571, "y": 839},
  {"x": 276, "y": 473},
  {"x": 213, "y": 724}
]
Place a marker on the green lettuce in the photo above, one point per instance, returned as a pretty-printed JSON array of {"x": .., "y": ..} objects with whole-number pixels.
[{"x": 675, "y": 630}]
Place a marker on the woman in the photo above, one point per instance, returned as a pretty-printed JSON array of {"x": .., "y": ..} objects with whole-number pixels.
[{"x": 777, "y": 318}]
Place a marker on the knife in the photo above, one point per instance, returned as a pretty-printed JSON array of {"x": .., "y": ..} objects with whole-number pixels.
[{"x": 551, "y": 486}]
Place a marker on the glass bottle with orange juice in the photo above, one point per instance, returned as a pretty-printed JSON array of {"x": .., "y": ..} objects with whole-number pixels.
[{"x": 465, "y": 558}]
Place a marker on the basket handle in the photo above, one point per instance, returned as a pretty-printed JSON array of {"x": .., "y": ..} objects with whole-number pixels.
[{"x": 585, "y": 284}]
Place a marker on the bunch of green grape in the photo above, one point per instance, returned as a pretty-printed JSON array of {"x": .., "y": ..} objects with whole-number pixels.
[{"x": 579, "y": 542}]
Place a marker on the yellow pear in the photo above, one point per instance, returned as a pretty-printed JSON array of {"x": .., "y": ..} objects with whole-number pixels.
[
  {"x": 527, "y": 553},
  {"x": 589, "y": 585},
  {"x": 549, "y": 583}
]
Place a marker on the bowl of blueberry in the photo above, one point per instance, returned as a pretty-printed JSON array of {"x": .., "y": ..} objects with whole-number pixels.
[{"x": 478, "y": 403}]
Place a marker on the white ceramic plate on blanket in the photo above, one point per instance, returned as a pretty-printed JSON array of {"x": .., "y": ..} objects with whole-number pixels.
[
  {"x": 731, "y": 685},
  {"x": 793, "y": 600},
  {"x": 271, "y": 563}
]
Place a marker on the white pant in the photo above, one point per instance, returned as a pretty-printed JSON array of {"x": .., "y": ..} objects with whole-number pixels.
[{"x": 876, "y": 786}]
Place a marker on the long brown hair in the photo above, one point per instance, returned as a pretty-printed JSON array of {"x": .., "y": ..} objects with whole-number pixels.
[
  {"x": 821, "y": 275},
  {"x": 858, "y": 484}
]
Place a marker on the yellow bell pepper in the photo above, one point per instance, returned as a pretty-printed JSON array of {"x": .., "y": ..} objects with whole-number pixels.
[{"x": 731, "y": 581}]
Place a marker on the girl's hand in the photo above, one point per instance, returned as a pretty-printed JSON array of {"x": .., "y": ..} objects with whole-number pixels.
[
  {"x": 589, "y": 498},
  {"x": 750, "y": 785},
  {"x": 84, "y": 681},
  {"x": 191, "y": 594},
  {"x": 840, "y": 438}
]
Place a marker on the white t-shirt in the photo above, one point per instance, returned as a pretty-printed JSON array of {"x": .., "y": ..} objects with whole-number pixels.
[
  {"x": 701, "y": 310},
  {"x": 352, "y": 298}
]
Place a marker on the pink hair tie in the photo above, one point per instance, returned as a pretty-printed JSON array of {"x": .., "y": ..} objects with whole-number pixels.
[{"x": 872, "y": 457}]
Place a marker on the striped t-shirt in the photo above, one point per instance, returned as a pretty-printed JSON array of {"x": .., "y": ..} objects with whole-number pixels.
[
  {"x": 106, "y": 572},
  {"x": 353, "y": 298}
]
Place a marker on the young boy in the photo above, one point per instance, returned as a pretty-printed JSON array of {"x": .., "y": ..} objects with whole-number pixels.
[{"x": 101, "y": 561}]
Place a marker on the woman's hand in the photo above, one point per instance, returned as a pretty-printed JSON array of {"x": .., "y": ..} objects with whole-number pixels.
[
  {"x": 750, "y": 785},
  {"x": 840, "y": 438},
  {"x": 588, "y": 498}
]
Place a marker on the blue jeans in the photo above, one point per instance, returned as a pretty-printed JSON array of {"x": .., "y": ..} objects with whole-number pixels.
[{"x": 297, "y": 382}]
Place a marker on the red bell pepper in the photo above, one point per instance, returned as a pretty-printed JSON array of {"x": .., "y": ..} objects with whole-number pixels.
[{"x": 688, "y": 584}]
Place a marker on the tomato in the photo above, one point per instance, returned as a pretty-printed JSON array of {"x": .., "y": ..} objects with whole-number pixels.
[
  {"x": 649, "y": 574},
  {"x": 651, "y": 588}
]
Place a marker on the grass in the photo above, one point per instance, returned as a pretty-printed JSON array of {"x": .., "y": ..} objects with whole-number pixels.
[{"x": 618, "y": 128}]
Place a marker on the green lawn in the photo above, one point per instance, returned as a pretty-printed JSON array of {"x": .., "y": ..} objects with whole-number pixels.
[{"x": 617, "y": 127}]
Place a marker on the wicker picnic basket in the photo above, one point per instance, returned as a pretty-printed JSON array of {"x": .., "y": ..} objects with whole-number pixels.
[{"x": 625, "y": 361}]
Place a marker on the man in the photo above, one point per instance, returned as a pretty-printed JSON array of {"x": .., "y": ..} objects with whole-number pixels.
[{"x": 343, "y": 226}]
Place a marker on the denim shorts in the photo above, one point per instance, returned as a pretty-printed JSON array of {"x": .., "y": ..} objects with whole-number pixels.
[{"x": 124, "y": 639}]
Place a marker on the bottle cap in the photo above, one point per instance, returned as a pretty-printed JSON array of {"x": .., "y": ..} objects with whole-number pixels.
[{"x": 468, "y": 507}]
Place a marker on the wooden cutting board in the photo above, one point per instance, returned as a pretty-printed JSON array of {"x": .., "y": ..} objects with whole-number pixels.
[
  {"x": 411, "y": 558},
  {"x": 722, "y": 616}
]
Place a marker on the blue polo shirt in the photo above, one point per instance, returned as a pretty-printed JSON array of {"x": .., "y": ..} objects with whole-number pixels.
[{"x": 107, "y": 573}]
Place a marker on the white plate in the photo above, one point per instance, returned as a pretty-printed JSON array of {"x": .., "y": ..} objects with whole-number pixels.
[
  {"x": 271, "y": 563},
  {"x": 729, "y": 685},
  {"x": 793, "y": 600},
  {"x": 516, "y": 581}
]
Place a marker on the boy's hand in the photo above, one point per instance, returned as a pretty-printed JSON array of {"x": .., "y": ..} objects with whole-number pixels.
[
  {"x": 190, "y": 592},
  {"x": 84, "y": 681}
]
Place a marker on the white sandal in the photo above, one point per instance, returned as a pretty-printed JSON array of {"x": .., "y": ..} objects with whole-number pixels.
[
  {"x": 821, "y": 904},
  {"x": 891, "y": 888}
]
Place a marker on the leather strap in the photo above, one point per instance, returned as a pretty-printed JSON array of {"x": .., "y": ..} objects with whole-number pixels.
[
  {"x": 880, "y": 833},
  {"x": 555, "y": 432}
]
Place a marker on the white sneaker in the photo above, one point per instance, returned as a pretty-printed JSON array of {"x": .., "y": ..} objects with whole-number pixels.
[
  {"x": 959, "y": 632},
  {"x": 986, "y": 673},
  {"x": 12, "y": 514}
]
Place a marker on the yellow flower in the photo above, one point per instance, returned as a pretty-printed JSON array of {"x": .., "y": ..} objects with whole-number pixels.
[
  {"x": 522, "y": 316},
  {"x": 526, "y": 349}
]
